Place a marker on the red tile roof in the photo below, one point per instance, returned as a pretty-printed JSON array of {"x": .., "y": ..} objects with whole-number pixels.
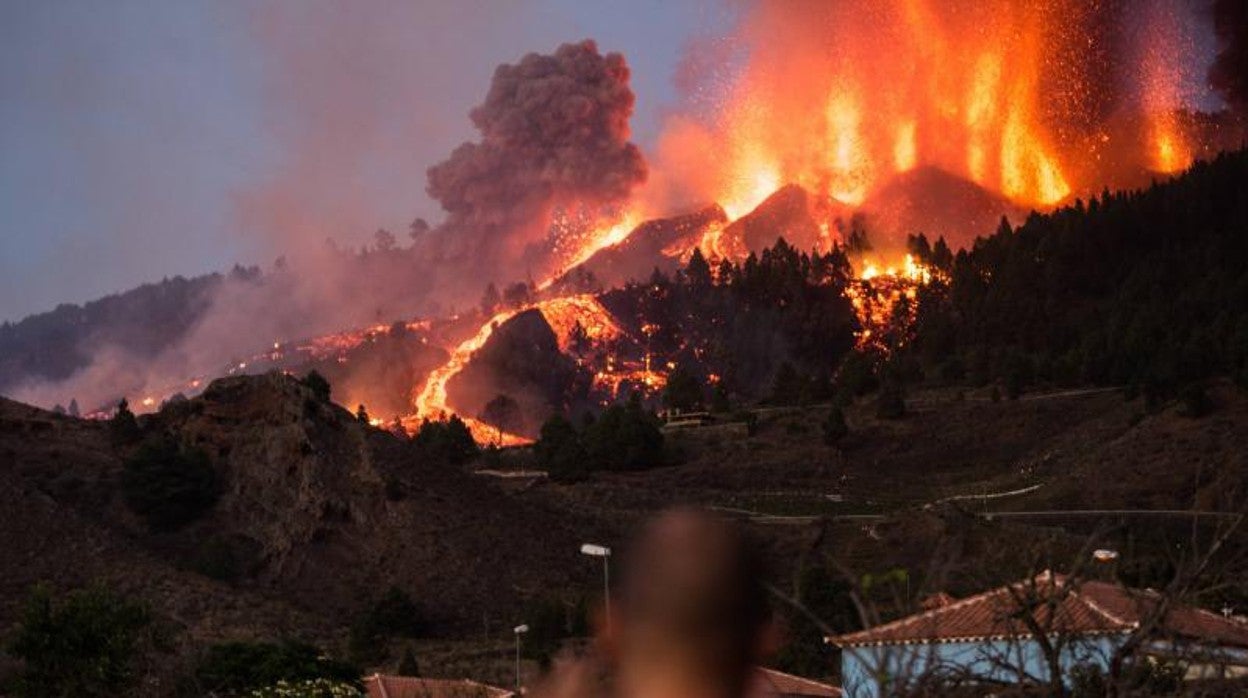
[
  {"x": 379, "y": 686},
  {"x": 1058, "y": 606},
  {"x": 1186, "y": 622},
  {"x": 770, "y": 683}
]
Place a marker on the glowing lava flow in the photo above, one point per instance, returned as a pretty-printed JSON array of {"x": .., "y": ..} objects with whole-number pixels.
[
  {"x": 599, "y": 239},
  {"x": 431, "y": 401},
  {"x": 565, "y": 313},
  {"x": 562, "y": 314}
]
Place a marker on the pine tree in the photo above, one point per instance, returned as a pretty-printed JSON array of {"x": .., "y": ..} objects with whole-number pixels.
[
  {"x": 834, "y": 427},
  {"x": 697, "y": 271},
  {"x": 490, "y": 300},
  {"x": 407, "y": 665}
]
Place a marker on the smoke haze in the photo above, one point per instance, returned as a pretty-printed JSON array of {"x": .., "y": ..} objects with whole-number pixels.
[
  {"x": 1229, "y": 73},
  {"x": 554, "y": 130}
]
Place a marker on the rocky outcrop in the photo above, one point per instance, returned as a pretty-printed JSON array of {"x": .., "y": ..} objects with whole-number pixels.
[{"x": 293, "y": 467}]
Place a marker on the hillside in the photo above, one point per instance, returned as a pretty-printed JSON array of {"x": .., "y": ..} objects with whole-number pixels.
[
  {"x": 1080, "y": 375},
  {"x": 318, "y": 516},
  {"x": 329, "y": 513}
]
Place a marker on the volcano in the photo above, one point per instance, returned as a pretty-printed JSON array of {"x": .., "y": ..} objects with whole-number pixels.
[
  {"x": 657, "y": 243},
  {"x": 793, "y": 213},
  {"x": 934, "y": 202}
]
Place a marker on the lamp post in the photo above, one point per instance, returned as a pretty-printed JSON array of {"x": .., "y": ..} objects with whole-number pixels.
[
  {"x": 519, "y": 630},
  {"x": 603, "y": 552},
  {"x": 1104, "y": 555}
]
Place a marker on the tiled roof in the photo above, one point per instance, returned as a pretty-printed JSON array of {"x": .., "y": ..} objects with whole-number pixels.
[
  {"x": 770, "y": 683},
  {"x": 1058, "y": 605},
  {"x": 1187, "y": 622},
  {"x": 379, "y": 686}
]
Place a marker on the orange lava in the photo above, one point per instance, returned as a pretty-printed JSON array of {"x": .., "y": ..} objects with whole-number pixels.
[
  {"x": 562, "y": 314},
  {"x": 431, "y": 400},
  {"x": 1168, "y": 148},
  {"x": 839, "y": 97},
  {"x": 877, "y": 295},
  {"x": 585, "y": 246}
]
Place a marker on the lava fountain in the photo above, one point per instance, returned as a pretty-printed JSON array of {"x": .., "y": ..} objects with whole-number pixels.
[{"x": 1029, "y": 99}]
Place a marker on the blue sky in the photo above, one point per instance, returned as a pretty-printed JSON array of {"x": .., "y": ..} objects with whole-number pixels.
[{"x": 134, "y": 131}]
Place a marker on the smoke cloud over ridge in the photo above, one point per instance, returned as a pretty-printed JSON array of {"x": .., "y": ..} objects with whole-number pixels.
[
  {"x": 554, "y": 131},
  {"x": 1229, "y": 72}
]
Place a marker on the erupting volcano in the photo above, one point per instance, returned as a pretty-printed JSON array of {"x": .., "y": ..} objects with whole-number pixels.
[
  {"x": 844, "y": 128},
  {"x": 1035, "y": 102},
  {"x": 885, "y": 119}
]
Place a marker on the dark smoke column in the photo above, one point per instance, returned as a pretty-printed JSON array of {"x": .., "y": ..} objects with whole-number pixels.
[
  {"x": 554, "y": 130},
  {"x": 1229, "y": 73}
]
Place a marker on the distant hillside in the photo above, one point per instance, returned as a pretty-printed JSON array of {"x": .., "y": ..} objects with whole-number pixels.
[
  {"x": 157, "y": 335},
  {"x": 145, "y": 320}
]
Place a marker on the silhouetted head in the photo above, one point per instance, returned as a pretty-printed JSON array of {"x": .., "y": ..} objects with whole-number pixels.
[{"x": 693, "y": 609}]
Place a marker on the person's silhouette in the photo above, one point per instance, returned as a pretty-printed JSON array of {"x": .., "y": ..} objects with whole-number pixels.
[{"x": 691, "y": 620}]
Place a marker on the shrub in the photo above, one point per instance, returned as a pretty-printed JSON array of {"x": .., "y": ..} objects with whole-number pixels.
[
  {"x": 625, "y": 437},
  {"x": 393, "y": 615},
  {"x": 408, "y": 665},
  {"x": 559, "y": 451},
  {"x": 168, "y": 486},
  {"x": 857, "y": 374},
  {"x": 318, "y": 385},
  {"x": 502, "y": 413},
  {"x": 307, "y": 688},
  {"x": 834, "y": 427},
  {"x": 891, "y": 403},
  {"x": 683, "y": 390},
  {"x": 366, "y": 643},
  {"x": 123, "y": 428},
  {"x": 720, "y": 403},
  {"x": 233, "y": 668},
  {"x": 445, "y": 440},
  {"x": 84, "y": 645}
]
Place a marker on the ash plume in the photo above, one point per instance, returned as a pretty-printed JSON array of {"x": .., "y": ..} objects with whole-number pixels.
[
  {"x": 1229, "y": 72},
  {"x": 554, "y": 131}
]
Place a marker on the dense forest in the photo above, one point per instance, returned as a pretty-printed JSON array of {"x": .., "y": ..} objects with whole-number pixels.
[
  {"x": 1141, "y": 288},
  {"x": 734, "y": 326}
]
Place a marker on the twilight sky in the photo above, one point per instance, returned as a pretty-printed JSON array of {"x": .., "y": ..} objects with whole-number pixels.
[{"x": 148, "y": 138}]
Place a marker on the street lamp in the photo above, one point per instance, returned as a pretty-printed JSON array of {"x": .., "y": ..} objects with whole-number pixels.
[
  {"x": 1104, "y": 555},
  {"x": 603, "y": 552},
  {"x": 519, "y": 630}
]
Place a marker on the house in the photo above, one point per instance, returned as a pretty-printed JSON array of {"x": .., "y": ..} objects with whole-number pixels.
[
  {"x": 381, "y": 686},
  {"x": 1016, "y": 633},
  {"x": 769, "y": 683}
]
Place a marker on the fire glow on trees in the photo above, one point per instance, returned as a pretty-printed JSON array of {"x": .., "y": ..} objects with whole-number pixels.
[{"x": 885, "y": 302}]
